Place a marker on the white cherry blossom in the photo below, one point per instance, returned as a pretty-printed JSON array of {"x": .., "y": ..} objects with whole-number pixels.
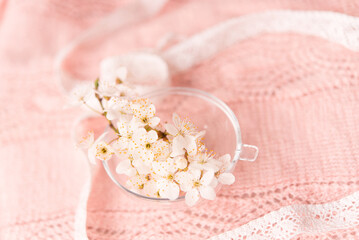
[
  {"x": 142, "y": 145},
  {"x": 125, "y": 91},
  {"x": 126, "y": 131},
  {"x": 103, "y": 151},
  {"x": 80, "y": 94},
  {"x": 162, "y": 150},
  {"x": 204, "y": 161},
  {"x": 87, "y": 140},
  {"x": 109, "y": 84},
  {"x": 143, "y": 184},
  {"x": 84, "y": 94},
  {"x": 225, "y": 161},
  {"x": 181, "y": 162},
  {"x": 142, "y": 166},
  {"x": 168, "y": 188},
  {"x": 142, "y": 148},
  {"x": 226, "y": 178},
  {"x": 196, "y": 185},
  {"x": 160, "y": 161},
  {"x": 184, "y": 136},
  {"x": 100, "y": 150},
  {"x": 223, "y": 176},
  {"x": 144, "y": 112},
  {"x": 116, "y": 75},
  {"x": 166, "y": 170},
  {"x": 117, "y": 108}
]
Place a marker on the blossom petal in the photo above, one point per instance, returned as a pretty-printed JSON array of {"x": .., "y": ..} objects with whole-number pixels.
[
  {"x": 79, "y": 94},
  {"x": 214, "y": 183},
  {"x": 87, "y": 140},
  {"x": 180, "y": 162},
  {"x": 161, "y": 149},
  {"x": 121, "y": 73},
  {"x": 160, "y": 168},
  {"x": 147, "y": 155},
  {"x": 210, "y": 166},
  {"x": 120, "y": 144},
  {"x": 138, "y": 135},
  {"x": 226, "y": 178},
  {"x": 192, "y": 197},
  {"x": 225, "y": 158},
  {"x": 93, "y": 102},
  {"x": 91, "y": 154},
  {"x": 141, "y": 167},
  {"x": 177, "y": 146},
  {"x": 103, "y": 151},
  {"x": 191, "y": 145},
  {"x": 152, "y": 136},
  {"x": 111, "y": 115},
  {"x": 207, "y": 178},
  {"x": 184, "y": 181},
  {"x": 172, "y": 130},
  {"x": 123, "y": 166},
  {"x": 195, "y": 166},
  {"x": 176, "y": 120},
  {"x": 150, "y": 111},
  {"x": 122, "y": 128},
  {"x": 207, "y": 192},
  {"x": 170, "y": 191},
  {"x": 200, "y": 134},
  {"x": 137, "y": 181},
  {"x": 154, "y": 122},
  {"x": 150, "y": 188},
  {"x": 195, "y": 174}
]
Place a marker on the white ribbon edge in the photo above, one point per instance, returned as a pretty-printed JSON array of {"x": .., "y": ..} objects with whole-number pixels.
[
  {"x": 327, "y": 25},
  {"x": 80, "y": 231},
  {"x": 302, "y": 214}
]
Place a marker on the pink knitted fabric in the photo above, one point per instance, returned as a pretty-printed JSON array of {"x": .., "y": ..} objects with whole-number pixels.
[{"x": 296, "y": 98}]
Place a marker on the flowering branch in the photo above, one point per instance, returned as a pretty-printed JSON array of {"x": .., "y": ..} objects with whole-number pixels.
[{"x": 160, "y": 161}]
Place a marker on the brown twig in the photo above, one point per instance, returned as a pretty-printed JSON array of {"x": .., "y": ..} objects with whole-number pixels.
[{"x": 103, "y": 109}]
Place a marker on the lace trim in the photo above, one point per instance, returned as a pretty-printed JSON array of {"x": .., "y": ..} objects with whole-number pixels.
[{"x": 290, "y": 221}]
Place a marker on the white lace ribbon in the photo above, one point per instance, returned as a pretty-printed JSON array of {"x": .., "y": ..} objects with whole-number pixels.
[
  {"x": 291, "y": 221},
  {"x": 335, "y": 27}
]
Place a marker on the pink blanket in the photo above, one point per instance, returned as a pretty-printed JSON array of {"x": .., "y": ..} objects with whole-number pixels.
[{"x": 296, "y": 98}]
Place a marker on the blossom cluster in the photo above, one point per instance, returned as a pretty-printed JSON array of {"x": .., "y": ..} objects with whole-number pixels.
[{"x": 161, "y": 160}]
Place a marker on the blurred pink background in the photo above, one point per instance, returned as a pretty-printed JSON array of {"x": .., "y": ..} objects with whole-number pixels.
[{"x": 296, "y": 97}]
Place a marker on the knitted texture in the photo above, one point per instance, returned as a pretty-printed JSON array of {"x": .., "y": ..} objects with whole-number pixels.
[{"x": 296, "y": 98}]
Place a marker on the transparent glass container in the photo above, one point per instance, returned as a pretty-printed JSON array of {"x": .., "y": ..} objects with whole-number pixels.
[{"x": 208, "y": 113}]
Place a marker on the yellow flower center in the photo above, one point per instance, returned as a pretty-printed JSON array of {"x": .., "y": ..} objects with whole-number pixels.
[
  {"x": 104, "y": 150},
  {"x": 196, "y": 184},
  {"x": 119, "y": 81},
  {"x": 202, "y": 161}
]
